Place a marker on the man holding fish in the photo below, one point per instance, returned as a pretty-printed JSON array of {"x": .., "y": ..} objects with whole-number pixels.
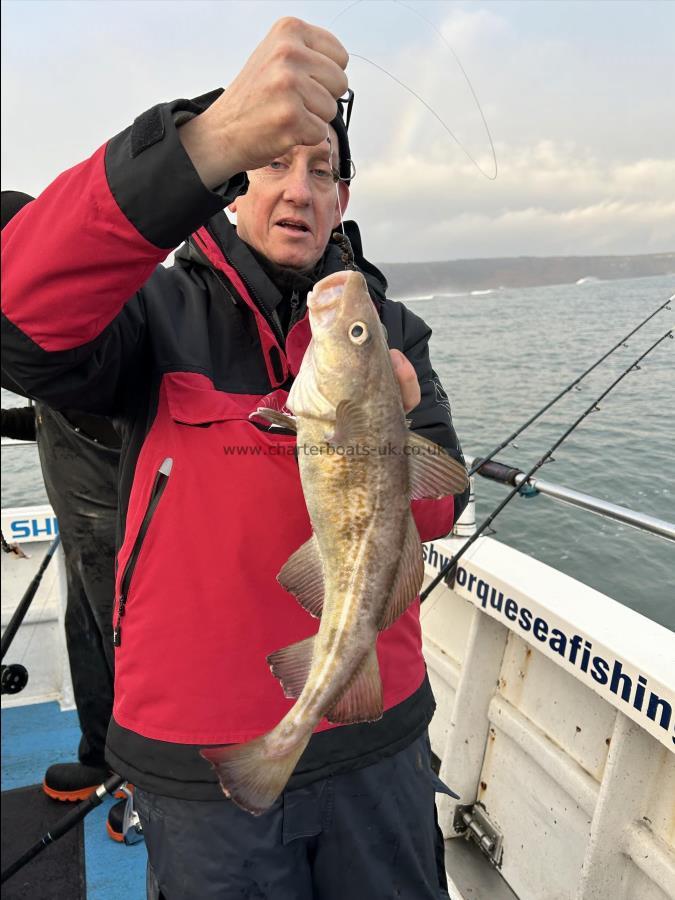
[{"x": 269, "y": 478}]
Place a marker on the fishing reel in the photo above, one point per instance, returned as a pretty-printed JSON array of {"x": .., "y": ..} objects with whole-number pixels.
[
  {"x": 132, "y": 830},
  {"x": 13, "y": 679}
]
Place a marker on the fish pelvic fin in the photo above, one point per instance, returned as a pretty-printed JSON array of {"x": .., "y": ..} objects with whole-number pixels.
[
  {"x": 433, "y": 472},
  {"x": 362, "y": 701},
  {"x": 409, "y": 577},
  {"x": 291, "y": 666},
  {"x": 249, "y": 775},
  {"x": 302, "y": 576}
]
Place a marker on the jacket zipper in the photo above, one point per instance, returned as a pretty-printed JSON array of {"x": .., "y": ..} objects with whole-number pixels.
[
  {"x": 295, "y": 306},
  {"x": 268, "y": 315},
  {"x": 161, "y": 479}
]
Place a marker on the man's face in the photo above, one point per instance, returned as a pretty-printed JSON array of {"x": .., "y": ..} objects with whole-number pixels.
[{"x": 291, "y": 207}]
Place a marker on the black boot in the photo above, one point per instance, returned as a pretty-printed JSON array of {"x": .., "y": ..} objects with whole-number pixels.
[
  {"x": 115, "y": 824},
  {"x": 73, "y": 781}
]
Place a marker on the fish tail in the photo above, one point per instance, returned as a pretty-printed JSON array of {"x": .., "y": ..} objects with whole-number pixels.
[{"x": 250, "y": 775}]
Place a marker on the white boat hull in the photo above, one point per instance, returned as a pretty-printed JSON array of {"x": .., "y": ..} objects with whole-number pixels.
[{"x": 580, "y": 783}]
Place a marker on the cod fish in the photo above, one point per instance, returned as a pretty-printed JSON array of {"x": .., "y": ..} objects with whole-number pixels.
[{"x": 360, "y": 466}]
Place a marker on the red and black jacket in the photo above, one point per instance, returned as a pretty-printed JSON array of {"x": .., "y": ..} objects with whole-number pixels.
[{"x": 210, "y": 503}]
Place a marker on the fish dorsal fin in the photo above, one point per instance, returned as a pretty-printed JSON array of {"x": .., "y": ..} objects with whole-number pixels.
[
  {"x": 291, "y": 666},
  {"x": 362, "y": 700},
  {"x": 433, "y": 472},
  {"x": 409, "y": 577},
  {"x": 302, "y": 576},
  {"x": 275, "y": 417},
  {"x": 351, "y": 423}
]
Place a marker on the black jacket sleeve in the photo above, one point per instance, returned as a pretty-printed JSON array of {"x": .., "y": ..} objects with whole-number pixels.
[{"x": 18, "y": 423}]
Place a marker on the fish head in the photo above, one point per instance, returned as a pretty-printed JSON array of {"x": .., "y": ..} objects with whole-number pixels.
[{"x": 348, "y": 353}]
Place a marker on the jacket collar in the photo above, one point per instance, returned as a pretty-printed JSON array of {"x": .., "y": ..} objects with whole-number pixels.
[{"x": 266, "y": 282}]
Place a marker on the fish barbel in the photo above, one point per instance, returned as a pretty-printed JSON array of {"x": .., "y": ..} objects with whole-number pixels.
[{"x": 360, "y": 466}]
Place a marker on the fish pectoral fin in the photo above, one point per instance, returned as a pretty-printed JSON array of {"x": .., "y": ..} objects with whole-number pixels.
[
  {"x": 433, "y": 472},
  {"x": 275, "y": 417},
  {"x": 351, "y": 424},
  {"x": 251, "y": 776},
  {"x": 302, "y": 576},
  {"x": 409, "y": 577},
  {"x": 291, "y": 666},
  {"x": 362, "y": 700}
]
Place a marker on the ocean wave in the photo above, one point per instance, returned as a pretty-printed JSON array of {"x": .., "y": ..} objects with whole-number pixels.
[{"x": 419, "y": 298}]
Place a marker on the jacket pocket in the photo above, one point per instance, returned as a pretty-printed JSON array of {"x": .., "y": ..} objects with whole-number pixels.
[
  {"x": 193, "y": 400},
  {"x": 158, "y": 487}
]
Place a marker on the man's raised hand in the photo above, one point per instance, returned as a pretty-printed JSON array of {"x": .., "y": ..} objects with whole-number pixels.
[{"x": 285, "y": 95}]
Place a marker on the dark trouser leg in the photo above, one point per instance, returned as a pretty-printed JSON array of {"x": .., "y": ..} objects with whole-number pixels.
[
  {"x": 81, "y": 481},
  {"x": 212, "y": 850},
  {"x": 90, "y": 666},
  {"x": 381, "y": 840}
]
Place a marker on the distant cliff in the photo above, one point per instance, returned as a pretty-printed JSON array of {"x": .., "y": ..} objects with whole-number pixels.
[{"x": 410, "y": 279}]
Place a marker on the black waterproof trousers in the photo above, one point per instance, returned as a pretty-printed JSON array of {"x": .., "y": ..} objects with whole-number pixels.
[
  {"x": 80, "y": 476},
  {"x": 370, "y": 834}
]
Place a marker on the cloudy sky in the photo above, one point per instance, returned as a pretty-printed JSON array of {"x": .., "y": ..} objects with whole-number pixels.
[{"x": 579, "y": 98}]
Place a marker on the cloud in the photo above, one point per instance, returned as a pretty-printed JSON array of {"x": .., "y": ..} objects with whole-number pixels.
[
  {"x": 548, "y": 199},
  {"x": 470, "y": 30}
]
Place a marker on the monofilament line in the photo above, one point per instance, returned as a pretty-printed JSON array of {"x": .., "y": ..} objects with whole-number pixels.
[
  {"x": 490, "y": 177},
  {"x": 337, "y": 183}
]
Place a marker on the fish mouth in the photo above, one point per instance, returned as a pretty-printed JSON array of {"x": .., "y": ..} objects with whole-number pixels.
[{"x": 327, "y": 293}]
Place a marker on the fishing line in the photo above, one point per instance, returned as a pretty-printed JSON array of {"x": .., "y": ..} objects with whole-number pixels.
[
  {"x": 337, "y": 179},
  {"x": 490, "y": 177},
  {"x": 452, "y": 562},
  {"x": 341, "y": 239},
  {"x": 484, "y": 459}
]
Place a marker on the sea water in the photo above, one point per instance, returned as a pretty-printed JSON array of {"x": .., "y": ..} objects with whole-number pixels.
[{"x": 501, "y": 356}]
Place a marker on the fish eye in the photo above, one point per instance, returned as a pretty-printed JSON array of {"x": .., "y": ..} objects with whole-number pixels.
[{"x": 358, "y": 333}]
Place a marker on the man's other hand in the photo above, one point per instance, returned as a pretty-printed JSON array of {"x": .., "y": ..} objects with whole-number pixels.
[
  {"x": 407, "y": 380},
  {"x": 284, "y": 96}
]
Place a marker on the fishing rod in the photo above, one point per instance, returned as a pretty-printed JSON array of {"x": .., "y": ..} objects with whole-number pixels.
[
  {"x": 485, "y": 459},
  {"x": 452, "y": 562},
  {"x": 27, "y": 599},
  {"x": 64, "y": 825},
  {"x": 14, "y": 678}
]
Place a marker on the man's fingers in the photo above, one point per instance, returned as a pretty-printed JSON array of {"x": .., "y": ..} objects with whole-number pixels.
[
  {"x": 407, "y": 380},
  {"x": 315, "y": 130},
  {"x": 320, "y": 103},
  {"x": 326, "y": 73},
  {"x": 320, "y": 40}
]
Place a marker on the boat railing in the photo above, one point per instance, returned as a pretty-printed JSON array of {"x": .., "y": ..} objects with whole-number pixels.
[{"x": 530, "y": 487}]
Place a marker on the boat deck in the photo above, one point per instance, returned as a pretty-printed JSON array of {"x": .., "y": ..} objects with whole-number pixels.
[{"x": 34, "y": 737}]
